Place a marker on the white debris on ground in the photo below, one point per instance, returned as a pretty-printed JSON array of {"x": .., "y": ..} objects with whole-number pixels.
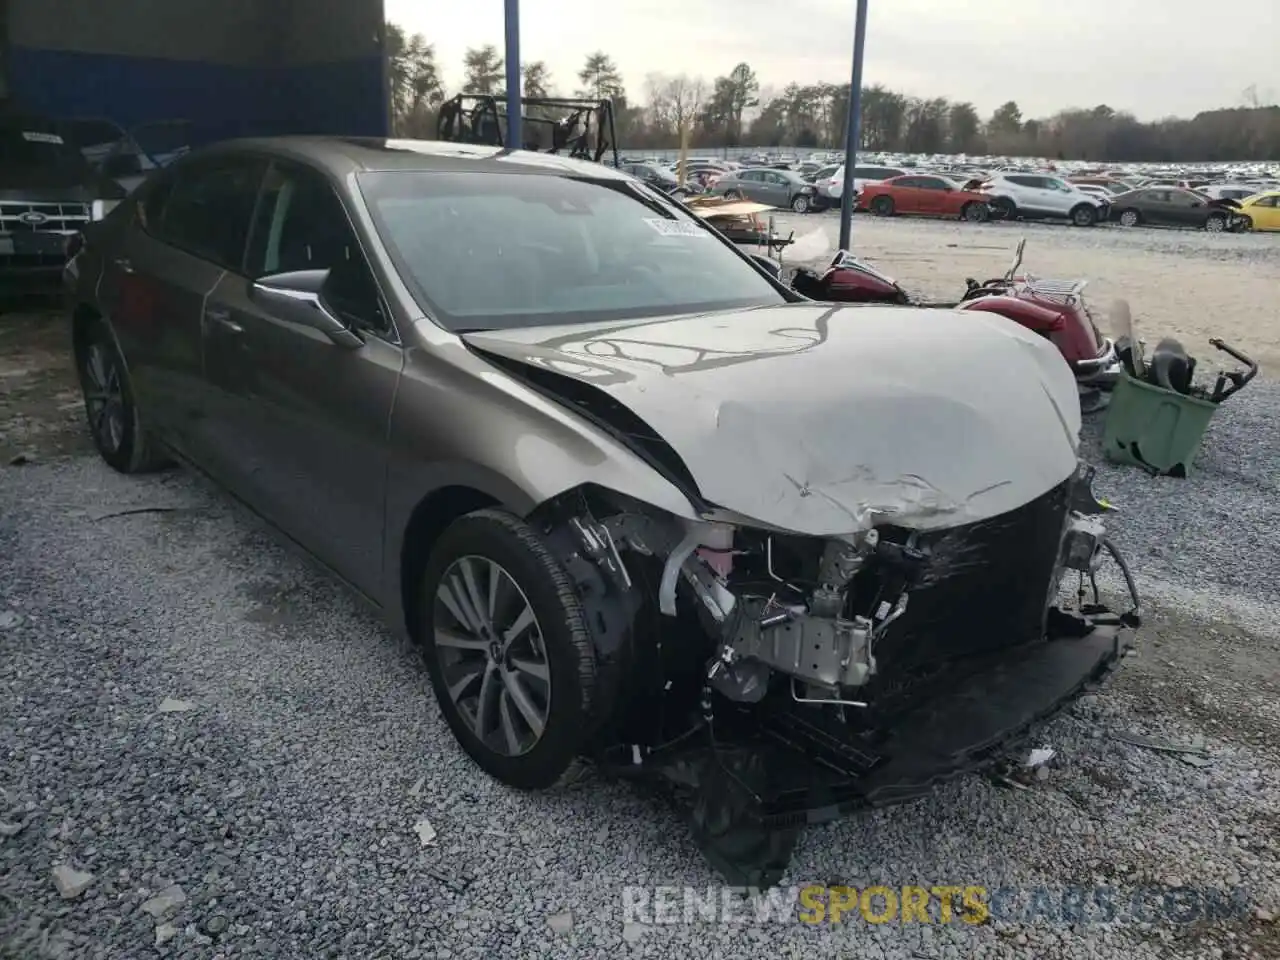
[{"x": 279, "y": 807}]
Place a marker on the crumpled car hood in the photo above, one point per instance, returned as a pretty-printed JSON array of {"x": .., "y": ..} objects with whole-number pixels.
[{"x": 828, "y": 419}]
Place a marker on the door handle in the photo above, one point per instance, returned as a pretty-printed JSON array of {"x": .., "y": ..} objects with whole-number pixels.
[
  {"x": 124, "y": 264},
  {"x": 222, "y": 318}
]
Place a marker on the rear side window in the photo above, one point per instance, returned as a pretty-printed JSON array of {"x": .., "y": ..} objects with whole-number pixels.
[{"x": 210, "y": 207}]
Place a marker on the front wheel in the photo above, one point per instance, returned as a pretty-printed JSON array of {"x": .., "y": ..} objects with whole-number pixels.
[
  {"x": 1084, "y": 215},
  {"x": 800, "y": 204},
  {"x": 1004, "y": 208},
  {"x": 976, "y": 212},
  {"x": 1246, "y": 224},
  {"x": 109, "y": 405},
  {"x": 882, "y": 206},
  {"x": 733, "y": 194},
  {"x": 1216, "y": 223},
  {"x": 507, "y": 645}
]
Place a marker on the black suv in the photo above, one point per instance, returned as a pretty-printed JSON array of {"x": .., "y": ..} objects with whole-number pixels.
[{"x": 48, "y": 194}]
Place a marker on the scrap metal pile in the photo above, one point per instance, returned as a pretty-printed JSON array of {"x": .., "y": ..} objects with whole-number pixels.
[{"x": 582, "y": 129}]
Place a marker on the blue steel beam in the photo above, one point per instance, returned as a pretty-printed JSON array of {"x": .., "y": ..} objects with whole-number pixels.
[
  {"x": 853, "y": 126},
  {"x": 514, "y": 141}
]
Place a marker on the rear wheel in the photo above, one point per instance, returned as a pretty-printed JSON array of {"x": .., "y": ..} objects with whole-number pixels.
[
  {"x": 975, "y": 212},
  {"x": 1130, "y": 218},
  {"x": 1216, "y": 223},
  {"x": 882, "y": 206},
  {"x": 1084, "y": 215},
  {"x": 507, "y": 646},
  {"x": 110, "y": 409}
]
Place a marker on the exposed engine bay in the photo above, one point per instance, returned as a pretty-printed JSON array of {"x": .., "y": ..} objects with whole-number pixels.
[{"x": 784, "y": 679}]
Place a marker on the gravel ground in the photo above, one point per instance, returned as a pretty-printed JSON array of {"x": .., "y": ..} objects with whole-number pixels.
[{"x": 184, "y": 702}]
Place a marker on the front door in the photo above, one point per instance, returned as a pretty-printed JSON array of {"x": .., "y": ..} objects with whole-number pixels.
[
  {"x": 931, "y": 198},
  {"x": 1187, "y": 209},
  {"x": 311, "y": 416},
  {"x": 778, "y": 189}
]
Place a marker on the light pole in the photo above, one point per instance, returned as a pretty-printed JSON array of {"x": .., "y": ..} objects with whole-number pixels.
[
  {"x": 514, "y": 141},
  {"x": 853, "y": 126}
]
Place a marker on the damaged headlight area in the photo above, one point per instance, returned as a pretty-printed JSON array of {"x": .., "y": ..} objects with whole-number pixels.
[{"x": 787, "y": 679}]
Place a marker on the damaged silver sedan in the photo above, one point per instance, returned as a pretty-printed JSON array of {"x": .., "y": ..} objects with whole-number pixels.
[{"x": 641, "y": 505}]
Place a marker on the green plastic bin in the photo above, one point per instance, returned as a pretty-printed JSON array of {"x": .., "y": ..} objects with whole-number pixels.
[{"x": 1154, "y": 428}]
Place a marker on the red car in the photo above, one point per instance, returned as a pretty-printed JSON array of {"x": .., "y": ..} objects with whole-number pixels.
[{"x": 924, "y": 194}]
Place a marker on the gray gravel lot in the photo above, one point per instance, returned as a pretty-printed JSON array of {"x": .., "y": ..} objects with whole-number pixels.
[{"x": 298, "y": 746}]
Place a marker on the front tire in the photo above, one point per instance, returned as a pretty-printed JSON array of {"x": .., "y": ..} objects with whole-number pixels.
[
  {"x": 800, "y": 204},
  {"x": 1083, "y": 215},
  {"x": 733, "y": 195},
  {"x": 975, "y": 213},
  {"x": 508, "y": 649},
  {"x": 1216, "y": 223},
  {"x": 117, "y": 430},
  {"x": 882, "y": 206},
  {"x": 1005, "y": 208}
]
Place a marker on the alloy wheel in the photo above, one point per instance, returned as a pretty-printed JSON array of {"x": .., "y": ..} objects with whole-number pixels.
[
  {"x": 104, "y": 397},
  {"x": 1215, "y": 224},
  {"x": 492, "y": 655},
  {"x": 1129, "y": 218}
]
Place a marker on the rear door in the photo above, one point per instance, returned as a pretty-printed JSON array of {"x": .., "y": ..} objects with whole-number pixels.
[
  {"x": 1157, "y": 207},
  {"x": 752, "y": 185},
  {"x": 189, "y": 226},
  {"x": 308, "y": 418}
]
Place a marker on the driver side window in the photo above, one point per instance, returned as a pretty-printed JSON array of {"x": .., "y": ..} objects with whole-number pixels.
[{"x": 302, "y": 225}]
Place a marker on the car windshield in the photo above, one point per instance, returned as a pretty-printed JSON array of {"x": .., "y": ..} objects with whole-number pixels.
[{"x": 502, "y": 250}]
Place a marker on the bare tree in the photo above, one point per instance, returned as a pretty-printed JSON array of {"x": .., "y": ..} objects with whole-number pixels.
[{"x": 675, "y": 100}]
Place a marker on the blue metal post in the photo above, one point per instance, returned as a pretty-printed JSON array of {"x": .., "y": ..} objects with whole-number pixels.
[
  {"x": 853, "y": 126},
  {"x": 513, "y": 75}
]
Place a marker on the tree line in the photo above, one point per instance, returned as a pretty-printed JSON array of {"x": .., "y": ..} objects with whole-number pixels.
[{"x": 735, "y": 110}]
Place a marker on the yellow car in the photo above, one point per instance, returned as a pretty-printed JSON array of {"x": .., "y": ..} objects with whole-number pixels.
[{"x": 1263, "y": 210}]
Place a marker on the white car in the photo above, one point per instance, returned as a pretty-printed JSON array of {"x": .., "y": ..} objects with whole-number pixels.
[
  {"x": 831, "y": 188},
  {"x": 1037, "y": 196},
  {"x": 1228, "y": 191}
]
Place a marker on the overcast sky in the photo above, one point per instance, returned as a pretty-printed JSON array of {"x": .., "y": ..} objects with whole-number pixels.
[{"x": 1153, "y": 57}]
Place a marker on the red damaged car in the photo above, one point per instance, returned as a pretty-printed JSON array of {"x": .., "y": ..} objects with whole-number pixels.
[{"x": 926, "y": 195}]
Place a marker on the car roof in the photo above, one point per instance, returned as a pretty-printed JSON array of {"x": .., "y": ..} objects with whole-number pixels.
[{"x": 346, "y": 155}]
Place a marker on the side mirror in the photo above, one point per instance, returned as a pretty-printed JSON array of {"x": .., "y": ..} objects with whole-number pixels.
[
  {"x": 768, "y": 264},
  {"x": 297, "y": 297}
]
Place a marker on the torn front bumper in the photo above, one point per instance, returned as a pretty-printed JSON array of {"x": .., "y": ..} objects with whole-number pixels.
[{"x": 753, "y": 793}]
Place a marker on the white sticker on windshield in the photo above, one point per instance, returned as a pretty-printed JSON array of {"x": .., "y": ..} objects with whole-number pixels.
[
  {"x": 676, "y": 228},
  {"x": 41, "y": 137}
]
